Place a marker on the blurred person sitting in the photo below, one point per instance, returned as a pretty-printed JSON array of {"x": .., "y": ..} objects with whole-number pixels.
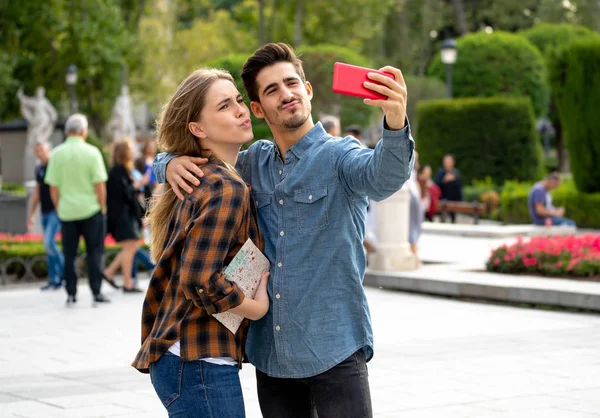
[
  {"x": 430, "y": 192},
  {"x": 50, "y": 220},
  {"x": 448, "y": 180},
  {"x": 331, "y": 124},
  {"x": 541, "y": 210},
  {"x": 77, "y": 175},
  {"x": 124, "y": 213}
]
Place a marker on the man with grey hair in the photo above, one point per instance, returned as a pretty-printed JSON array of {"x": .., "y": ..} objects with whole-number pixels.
[
  {"x": 331, "y": 124},
  {"x": 77, "y": 178}
]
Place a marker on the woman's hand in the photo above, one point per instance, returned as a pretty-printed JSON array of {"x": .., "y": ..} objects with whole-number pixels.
[{"x": 258, "y": 307}]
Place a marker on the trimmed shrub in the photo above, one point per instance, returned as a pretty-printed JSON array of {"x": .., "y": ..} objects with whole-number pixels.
[
  {"x": 547, "y": 37},
  {"x": 234, "y": 64},
  {"x": 419, "y": 89},
  {"x": 495, "y": 65},
  {"x": 318, "y": 63},
  {"x": 575, "y": 78},
  {"x": 493, "y": 137}
]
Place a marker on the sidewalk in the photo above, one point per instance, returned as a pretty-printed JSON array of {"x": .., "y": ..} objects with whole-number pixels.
[{"x": 434, "y": 358}]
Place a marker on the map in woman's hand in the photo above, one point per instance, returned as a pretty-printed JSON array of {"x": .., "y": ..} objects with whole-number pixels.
[{"x": 245, "y": 270}]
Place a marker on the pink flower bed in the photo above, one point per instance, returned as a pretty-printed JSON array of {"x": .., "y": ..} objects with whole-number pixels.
[{"x": 549, "y": 256}]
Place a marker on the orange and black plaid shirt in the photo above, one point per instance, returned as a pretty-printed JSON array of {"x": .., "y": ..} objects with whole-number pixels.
[{"x": 206, "y": 231}]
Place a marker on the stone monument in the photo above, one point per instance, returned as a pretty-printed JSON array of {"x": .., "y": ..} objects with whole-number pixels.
[
  {"x": 41, "y": 120},
  {"x": 393, "y": 250},
  {"x": 122, "y": 122}
]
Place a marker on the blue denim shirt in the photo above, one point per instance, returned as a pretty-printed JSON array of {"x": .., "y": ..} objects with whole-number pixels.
[{"x": 312, "y": 211}]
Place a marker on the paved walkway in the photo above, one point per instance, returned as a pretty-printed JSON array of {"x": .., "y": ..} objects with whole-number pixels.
[{"x": 433, "y": 358}]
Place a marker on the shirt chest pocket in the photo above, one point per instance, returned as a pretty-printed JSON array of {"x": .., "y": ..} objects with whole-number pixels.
[{"x": 312, "y": 209}]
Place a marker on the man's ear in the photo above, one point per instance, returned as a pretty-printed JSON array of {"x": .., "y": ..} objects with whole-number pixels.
[
  {"x": 309, "y": 89},
  {"x": 196, "y": 130},
  {"x": 257, "y": 110}
]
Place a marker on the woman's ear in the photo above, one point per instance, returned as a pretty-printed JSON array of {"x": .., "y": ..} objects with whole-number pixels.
[{"x": 196, "y": 130}]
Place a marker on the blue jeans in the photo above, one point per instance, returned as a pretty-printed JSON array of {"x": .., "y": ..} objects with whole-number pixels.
[
  {"x": 197, "y": 389},
  {"x": 560, "y": 221},
  {"x": 141, "y": 256},
  {"x": 56, "y": 263}
]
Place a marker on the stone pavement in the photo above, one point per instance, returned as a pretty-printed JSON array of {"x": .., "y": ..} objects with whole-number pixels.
[{"x": 433, "y": 358}]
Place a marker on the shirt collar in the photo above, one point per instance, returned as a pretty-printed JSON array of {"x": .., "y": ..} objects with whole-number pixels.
[
  {"x": 74, "y": 138},
  {"x": 306, "y": 141}
]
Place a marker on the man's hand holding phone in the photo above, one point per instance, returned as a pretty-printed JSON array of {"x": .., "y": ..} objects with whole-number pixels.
[
  {"x": 381, "y": 90},
  {"x": 394, "y": 106}
]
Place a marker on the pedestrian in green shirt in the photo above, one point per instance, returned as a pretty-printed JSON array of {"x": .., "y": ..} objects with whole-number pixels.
[{"x": 77, "y": 178}]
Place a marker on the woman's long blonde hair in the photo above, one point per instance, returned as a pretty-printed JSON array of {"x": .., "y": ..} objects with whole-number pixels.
[{"x": 175, "y": 137}]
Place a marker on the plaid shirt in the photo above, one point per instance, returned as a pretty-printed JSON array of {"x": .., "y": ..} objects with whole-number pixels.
[{"x": 205, "y": 233}]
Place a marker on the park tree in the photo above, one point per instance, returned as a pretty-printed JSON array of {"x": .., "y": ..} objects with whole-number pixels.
[{"x": 549, "y": 38}]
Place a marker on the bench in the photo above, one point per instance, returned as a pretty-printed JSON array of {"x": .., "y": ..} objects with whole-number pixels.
[{"x": 474, "y": 209}]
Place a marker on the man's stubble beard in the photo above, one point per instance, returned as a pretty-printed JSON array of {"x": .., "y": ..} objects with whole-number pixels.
[{"x": 295, "y": 121}]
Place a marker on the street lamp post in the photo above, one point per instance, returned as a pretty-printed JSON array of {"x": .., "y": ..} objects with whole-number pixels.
[
  {"x": 449, "y": 53},
  {"x": 71, "y": 79}
]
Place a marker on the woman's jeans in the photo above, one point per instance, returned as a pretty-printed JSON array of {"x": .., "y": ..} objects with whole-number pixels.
[
  {"x": 51, "y": 226},
  {"x": 197, "y": 389},
  {"x": 141, "y": 256}
]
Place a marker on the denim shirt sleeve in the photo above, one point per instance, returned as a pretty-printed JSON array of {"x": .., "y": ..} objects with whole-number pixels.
[
  {"x": 381, "y": 172},
  {"x": 159, "y": 166}
]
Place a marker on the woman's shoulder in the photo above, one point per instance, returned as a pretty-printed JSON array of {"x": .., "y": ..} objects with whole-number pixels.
[{"x": 219, "y": 179}]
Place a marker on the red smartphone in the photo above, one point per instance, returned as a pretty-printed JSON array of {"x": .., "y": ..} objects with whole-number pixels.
[{"x": 348, "y": 79}]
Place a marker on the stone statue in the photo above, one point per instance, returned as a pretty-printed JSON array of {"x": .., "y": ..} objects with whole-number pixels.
[
  {"x": 40, "y": 115},
  {"x": 122, "y": 123}
]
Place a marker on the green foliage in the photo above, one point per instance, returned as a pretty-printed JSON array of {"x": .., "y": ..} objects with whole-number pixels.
[
  {"x": 581, "y": 207},
  {"x": 474, "y": 191},
  {"x": 548, "y": 37},
  {"x": 498, "y": 64},
  {"x": 234, "y": 64},
  {"x": 492, "y": 137},
  {"x": 318, "y": 67},
  {"x": 575, "y": 78},
  {"x": 13, "y": 188},
  {"x": 421, "y": 88},
  {"x": 44, "y": 39}
]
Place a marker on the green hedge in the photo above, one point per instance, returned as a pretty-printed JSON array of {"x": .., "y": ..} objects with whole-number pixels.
[
  {"x": 492, "y": 137},
  {"x": 233, "y": 64},
  {"x": 575, "y": 78},
  {"x": 497, "y": 64},
  {"x": 419, "y": 89},
  {"x": 581, "y": 207}
]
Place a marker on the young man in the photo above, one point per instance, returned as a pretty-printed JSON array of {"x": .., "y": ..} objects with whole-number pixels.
[
  {"x": 77, "y": 179},
  {"x": 311, "y": 189},
  {"x": 540, "y": 205},
  {"x": 50, "y": 220}
]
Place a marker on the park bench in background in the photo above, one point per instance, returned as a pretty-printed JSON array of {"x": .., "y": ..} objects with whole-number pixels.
[{"x": 474, "y": 209}]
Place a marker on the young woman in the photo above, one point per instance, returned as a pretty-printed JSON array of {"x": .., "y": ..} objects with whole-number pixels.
[
  {"x": 123, "y": 213},
  {"x": 194, "y": 360}
]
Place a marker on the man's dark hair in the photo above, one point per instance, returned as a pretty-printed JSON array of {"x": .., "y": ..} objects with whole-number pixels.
[
  {"x": 354, "y": 130},
  {"x": 553, "y": 176},
  {"x": 265, "y": 56}
]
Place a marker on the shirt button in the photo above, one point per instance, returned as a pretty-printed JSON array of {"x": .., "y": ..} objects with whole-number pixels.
[
  {"x": 281, "y": 202},
  {"x": 280, "y": 172},
  {"x": 277, "y": 296},
  {"x": 200, "y": 290},
  {"x": 310, "y": 197},
  {"x": 282, "y": 233},
  {"x": 277, "y": 327},
  {"x": 279, "y": 265}
]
